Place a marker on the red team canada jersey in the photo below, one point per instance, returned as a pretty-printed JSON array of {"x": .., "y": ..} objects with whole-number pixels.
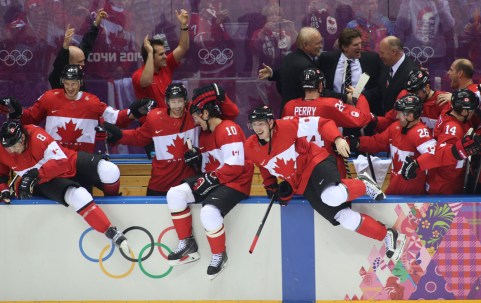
[
  {"x": 72, "y": 122},
  {"x": 292, "y": 157},
  {"x": 43, "y": 153},
  {"x": 344, "y": 115},
  {"x": 445, "y": 176},
  {"x": 169, "y": 136},
  {"x": 168, "y": 167},
  {"x": 156, "y": 90},
  {"x": 429, "y": 116},
  {"x": 416, "y": 141},
  {"x": 223, "y": 153}
]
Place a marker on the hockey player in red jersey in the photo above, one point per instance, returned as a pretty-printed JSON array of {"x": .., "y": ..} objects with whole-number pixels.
[
  {"x": 170, "y": 128},
  {"x": 57, "y": 173},
  {"x": 343, "y": 114},
  {"x": 406, "y": 137},
  {"x": 224, "y": 180},
  {"x": 445, "y": 174},
  {"x": 71, "y": 116},
  {"x": 418, "y": 84},
  {"x": 307, "y": 169}
]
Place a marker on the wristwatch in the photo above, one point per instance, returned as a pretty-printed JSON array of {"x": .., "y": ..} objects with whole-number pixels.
[{"x": 184, "y": 28}]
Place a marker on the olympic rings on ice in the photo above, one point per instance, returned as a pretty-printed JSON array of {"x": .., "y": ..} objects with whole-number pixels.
[
  {"x": 104, "y": 256},
  {"x": 15, "y": 57},
  {"x": 215, "y": 55}
]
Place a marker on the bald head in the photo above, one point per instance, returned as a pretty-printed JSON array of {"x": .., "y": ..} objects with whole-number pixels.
[
  {"x": 465, "y": 66},
  {"x": 310, "y": 40},
  {"x": 76, "y": 55},
  {"x": 390, "y": 50}
]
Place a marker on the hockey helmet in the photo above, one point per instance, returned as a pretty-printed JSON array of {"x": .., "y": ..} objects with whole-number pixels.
[
  {"x": 175, "y": 90},
  {"x": 261, "y": 113},
  {"x": 417, "y": 80},
  {"x": 11, "y": 133},
  {"x": 464, "y": 99},
  {"x": 410, "y": 104},
  {"x": 311, "y": 78},
  {"x": 72, "y": 72}
]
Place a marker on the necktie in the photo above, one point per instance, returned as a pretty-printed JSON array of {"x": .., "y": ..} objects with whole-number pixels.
[
  {"x": 347, "y": 79},
  {"x": 389, "y": 79}
]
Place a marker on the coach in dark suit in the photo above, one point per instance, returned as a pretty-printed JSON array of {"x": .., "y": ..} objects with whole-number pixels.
[
  {"x": 334, "y": 65},
  {"x": 395, "y": 73},
  {"x": 288, "y": 77}
]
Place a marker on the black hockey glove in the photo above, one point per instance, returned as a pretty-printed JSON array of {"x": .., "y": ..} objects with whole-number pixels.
[
  {"x": 193, "y": 157},
  {"x": 272, "y": 190},
  {"x": 11, "y": 107},
  {"x": 114, "y": 133},
  {"x": 409, "y": 168},
  {"x": 29, "y": 180},
  {"x": 5, "y": 196},
  {"x": 149, "y": 149},
  {"x": 100, "y": 133},
  {"x": 353, "y": 144},
  {"x": 467, "y": 146},
  {"x": 212, "y": 92},
  {"x": 205, "y": 184},
  {"x": 142, "y": 107},
  {"x": 285, "y": 193}
]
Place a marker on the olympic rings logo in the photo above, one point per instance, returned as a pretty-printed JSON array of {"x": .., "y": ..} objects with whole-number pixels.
[
  {"x": 419, "y": 54},
  {"x": 15, "y": 57},
  {"x": 215, "y": 55},
  {"x": 149, "y": 248}
]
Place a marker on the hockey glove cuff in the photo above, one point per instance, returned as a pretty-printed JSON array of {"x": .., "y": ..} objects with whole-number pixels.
[
  {"x": 285, "y": 193},
  {"x": 114, "y": 133},
  {"x": 205, "y": 184},
  {"x": 193, "y": 157},
  {"x": 467, "y": 146},
  {"x": 409, "y": 168},
  {"x": 142, "y": 107},
  {"x": 29, "y": 180}
]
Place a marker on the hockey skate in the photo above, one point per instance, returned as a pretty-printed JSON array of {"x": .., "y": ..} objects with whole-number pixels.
[
  {"x": 217, "y": 265},
  {"x": 372, "y": 190},
  {"x": 186, "y": 252},
  {"x": 394, "y": 242},
  {"x": 118, "y": 238}
]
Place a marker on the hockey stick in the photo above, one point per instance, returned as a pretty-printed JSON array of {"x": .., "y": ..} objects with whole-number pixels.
[
  {"x": 259, "y": 230},
  {"x": 346, "y": 165},
  {"x": 468, "y": 165},
  {"x": 476, "y": 180},
  {"x": 369, "y": 161}
]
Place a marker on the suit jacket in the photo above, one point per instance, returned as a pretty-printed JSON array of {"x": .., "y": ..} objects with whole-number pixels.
[
  {"x": 370, "y": 64},
  {"x": 388, "y": 95},
  {"x": 289, "y": 77}
]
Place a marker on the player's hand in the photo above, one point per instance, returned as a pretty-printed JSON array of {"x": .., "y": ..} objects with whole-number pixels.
[
  {"x": 142, "y": 107},
  {"x": 5, "y": 196},
  {"x": 443, "y": 99},
  {"x": 409, "y": 168},
  {"x": 342, "y": 147},
  {"x": 205, "y": 184},
  {"x": 11, "y": 107},
  {"x": 265, "y": 72},
  {"x": 114, "y": 133},
  {"x": 208, "y": 93},
  {"x": 27, "y": 184},
  {"x": 272, "y": 191},
  {"x": 467, "y": 146},
  {"x": 193, "y": 157},
  {"x": 285, "y": 193},
  {"x": 100, "y": 133}
]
